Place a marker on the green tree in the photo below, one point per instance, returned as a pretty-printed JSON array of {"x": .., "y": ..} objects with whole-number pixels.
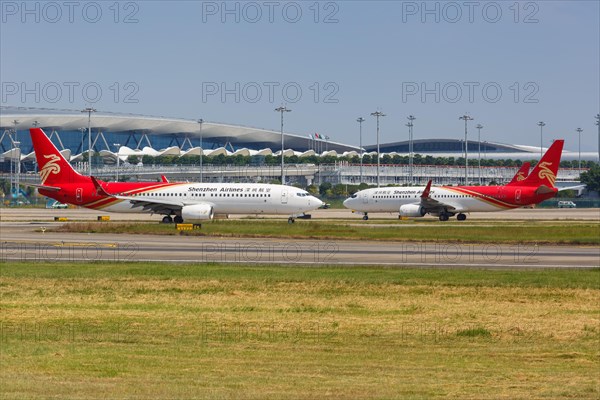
[
  {"x": 592, "y": 178},
  {"x": 324, "y": 187}
]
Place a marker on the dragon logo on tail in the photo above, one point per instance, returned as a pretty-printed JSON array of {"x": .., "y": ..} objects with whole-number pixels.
[
  {"x": 51, "y": 167},
  {"x": 520, "y": 176},
  {"x": 545, "y": 172}
]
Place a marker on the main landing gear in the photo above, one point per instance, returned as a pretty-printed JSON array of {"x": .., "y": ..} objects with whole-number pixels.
[
  {"x": 444, "y": 217},
  {"x": 167, "y": 219},
  {"x": 461, "y": 217}
]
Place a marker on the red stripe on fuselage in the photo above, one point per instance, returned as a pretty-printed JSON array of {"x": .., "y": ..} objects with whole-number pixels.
[{"x": 488, "y": 198}]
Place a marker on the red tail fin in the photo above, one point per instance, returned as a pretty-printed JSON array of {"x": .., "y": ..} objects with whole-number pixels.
[
  {"x": 545, "y": 171},
  {"x": 521, "y": 174},
  {"x": 53, "y": 168}
]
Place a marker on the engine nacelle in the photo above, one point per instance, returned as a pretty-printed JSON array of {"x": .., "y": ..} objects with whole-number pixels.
[
  {"x": 197, "y": 212},
  {"x": 412, "y": 210}
]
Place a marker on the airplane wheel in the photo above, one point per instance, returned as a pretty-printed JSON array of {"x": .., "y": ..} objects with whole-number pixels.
[
  {"x": 291, "y": 220},
  {"x": 461, "y": 217},
  {"x": 365, "y": 217},
  {"x": 167, "y": 219},
  {"x": 178, "y": 219},
  {"x": 444, "y": 217}
]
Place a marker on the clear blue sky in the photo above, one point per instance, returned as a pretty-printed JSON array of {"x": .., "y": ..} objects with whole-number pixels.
[{"x": 543, "y": 56}]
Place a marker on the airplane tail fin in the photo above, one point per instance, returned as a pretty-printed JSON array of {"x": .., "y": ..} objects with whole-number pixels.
[
  {"x": 53, "y": 167},
  {"x": 521, "y": 174},
  {"x": 544, "y": 173}
]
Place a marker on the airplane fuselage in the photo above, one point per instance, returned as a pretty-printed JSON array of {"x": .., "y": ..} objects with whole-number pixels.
[
  {"x": 459, "y": 198},
  {"x": 225, "y": 198}
]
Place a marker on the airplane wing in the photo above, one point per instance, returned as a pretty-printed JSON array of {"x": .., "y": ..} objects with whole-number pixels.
[
  {"x": 149, "y": 205},
  {"x": 434, "y": 206}
]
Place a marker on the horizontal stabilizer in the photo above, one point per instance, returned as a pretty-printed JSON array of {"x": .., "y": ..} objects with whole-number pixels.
[
  {"x": 44, "y": 187},
  {"x": 543, "y": 189},
  {"x": 99, "y": 188}
]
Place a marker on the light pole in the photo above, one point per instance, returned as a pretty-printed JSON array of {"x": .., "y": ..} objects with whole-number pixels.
[
  {"x": 282, "y": 110},
  {"x": 579, "y": 130},
  {"x": 200, "y": 122},
  {"x": 82, "y": 130},
  {"x": 598, "y": 123},
  {"x": 89, "y": 111},
  {"x": 360, "y": 120},
  {"x": 118, "y": 146},
  {"x": 16, "y": 186},
  {"x": 479, "y": 128},
  {"x": 410, "y": 145},
  {"x": 541, "y": 124},
  {"x": 378, "y": 114},
  {"x": 466, "y": 118}
]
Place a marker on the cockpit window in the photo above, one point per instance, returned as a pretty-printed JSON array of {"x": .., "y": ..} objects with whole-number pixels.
[
  {"x": 354, "y": 196},
  {"x": 302, "y": 194}
]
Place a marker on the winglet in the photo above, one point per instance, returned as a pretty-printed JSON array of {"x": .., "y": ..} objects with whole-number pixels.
[
  {"x": 425, "y": 193},
  {"x": 99, "y": 187}
]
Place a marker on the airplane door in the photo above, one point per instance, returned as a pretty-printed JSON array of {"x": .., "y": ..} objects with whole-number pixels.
[
  {"x": 518, "y": 196},
  {"x": 365, "y": 198},
  {"x": 284, "y": 196},
  {"x": 79, "y": 195}
]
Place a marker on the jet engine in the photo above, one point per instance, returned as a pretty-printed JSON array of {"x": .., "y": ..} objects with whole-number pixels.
[
  {"x": 411, "y": 210},
  {"x": 197, "y": 212}
]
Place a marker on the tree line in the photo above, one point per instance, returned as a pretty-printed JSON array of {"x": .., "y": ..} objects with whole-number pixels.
[{"x": 386, "y": 159}]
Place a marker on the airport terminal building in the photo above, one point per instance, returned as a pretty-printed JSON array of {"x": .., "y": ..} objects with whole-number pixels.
[{"x": 138, "y": 135}]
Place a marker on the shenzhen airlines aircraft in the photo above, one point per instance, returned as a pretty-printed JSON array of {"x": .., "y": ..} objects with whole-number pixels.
[
  {"x": 521, "y": 174},
  {"x": 184, "y": 201},
  {"x": 447, "y": 201}
]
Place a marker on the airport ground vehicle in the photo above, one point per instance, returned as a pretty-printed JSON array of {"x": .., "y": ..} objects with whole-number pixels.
[{"x": 566, "y": 204}]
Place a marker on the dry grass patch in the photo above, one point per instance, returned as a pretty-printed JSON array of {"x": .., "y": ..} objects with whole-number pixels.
[{"x": 180, "y": 331}]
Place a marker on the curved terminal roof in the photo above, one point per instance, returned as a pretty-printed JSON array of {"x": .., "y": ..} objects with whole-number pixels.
[{"x": 237, "y": 135}]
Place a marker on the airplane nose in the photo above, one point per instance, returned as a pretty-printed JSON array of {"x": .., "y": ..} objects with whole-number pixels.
[
  {"x": 318, "y": 203},
  {"x": 346, "y": 203}
]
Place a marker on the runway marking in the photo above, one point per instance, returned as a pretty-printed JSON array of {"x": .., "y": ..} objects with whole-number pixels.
[{"x": 83, "y": 244}]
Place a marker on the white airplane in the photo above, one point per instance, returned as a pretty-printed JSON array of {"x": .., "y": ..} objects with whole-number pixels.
[
  {"x": 176, "y": 201},
  {"x": 447, "y": 201}
]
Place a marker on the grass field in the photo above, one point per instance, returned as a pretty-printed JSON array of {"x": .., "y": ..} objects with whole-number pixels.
[
  {"x": 142, "y": 331},
  {"x": 505, "y": 232}
]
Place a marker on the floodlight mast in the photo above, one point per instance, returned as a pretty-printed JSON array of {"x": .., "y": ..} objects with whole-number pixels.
[
  {"x": 466, "y": 118},
  {"x": 360, "y": 120},
  {"x": 282, "y": 110},
  {"x": 378, "y": 114},
  {"x": 541, "y": 124},
  {"x": 89, "y": 111}
]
